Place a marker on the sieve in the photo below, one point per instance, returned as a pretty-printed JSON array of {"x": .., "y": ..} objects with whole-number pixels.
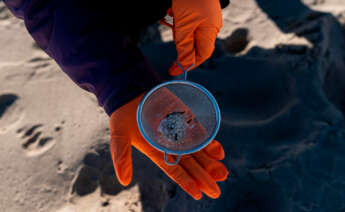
[{"x": 174, "y": 131}]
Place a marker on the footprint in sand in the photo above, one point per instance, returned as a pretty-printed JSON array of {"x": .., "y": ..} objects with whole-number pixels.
[
  {"x": 237, "y": 41},
  {"x": 41, "y": 68},
  {"x": 97, "y": 170},
  {"x": 35, "y": 142},
  {"x": 4, "y": 13},
  {"x": 10, "y": 111},
  {"x": 40, "y": 62}
]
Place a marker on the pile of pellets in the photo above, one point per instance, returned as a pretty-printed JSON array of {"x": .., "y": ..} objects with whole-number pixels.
[{"x": 173, "y": 126}]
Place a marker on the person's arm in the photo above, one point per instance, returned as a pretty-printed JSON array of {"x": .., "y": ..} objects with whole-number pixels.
[{"x": 89, "y": 50}]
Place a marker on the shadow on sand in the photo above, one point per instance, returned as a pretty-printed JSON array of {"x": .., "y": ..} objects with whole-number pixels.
[{"x": 283, "y": 127}]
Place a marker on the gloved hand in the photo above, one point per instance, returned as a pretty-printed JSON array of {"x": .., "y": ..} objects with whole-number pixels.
[
  {"x": 195, "y": 173},
  {"x": 195, "y": 29}
]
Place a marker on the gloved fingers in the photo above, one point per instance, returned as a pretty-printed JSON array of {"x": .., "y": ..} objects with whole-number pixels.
[
  {"x": 184, "y": 41},
  {"x": 120, "y": 148},
  {"x": 176, "y": 173},
  {"x": 216, "y": 169},
  {"x": 205, "y": 182},
  {"x": 205, "y": 39},
  {"x": 215, "y": 150},
  {"x": 183, "y": 178}
]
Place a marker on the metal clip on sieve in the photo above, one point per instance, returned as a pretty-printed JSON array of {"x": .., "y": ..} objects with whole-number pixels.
[{"x": 185, "y": 71}]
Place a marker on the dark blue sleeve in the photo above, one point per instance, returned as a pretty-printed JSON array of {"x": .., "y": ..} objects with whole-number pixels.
[{"x": 88, "y": 47}]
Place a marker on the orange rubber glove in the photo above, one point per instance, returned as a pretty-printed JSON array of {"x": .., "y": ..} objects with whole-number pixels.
[
  {"x": 195, "y": 29},
  {"x": 195, "y": 173}
]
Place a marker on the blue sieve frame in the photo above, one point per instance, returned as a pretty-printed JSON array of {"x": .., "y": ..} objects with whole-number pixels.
[{"x": 179, "y": 153}]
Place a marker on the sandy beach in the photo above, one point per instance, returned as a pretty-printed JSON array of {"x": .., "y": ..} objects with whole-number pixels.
[{"x": 279, "y": 79}]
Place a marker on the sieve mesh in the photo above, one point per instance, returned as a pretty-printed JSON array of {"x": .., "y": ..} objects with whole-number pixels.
[{"x": 178, "y": 117}]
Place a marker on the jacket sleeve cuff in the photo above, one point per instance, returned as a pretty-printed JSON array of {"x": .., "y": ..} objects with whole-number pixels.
[{"x": 141, "y": 78}]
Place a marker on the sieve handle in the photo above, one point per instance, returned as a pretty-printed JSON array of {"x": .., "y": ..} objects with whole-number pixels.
[
  {"x": 171, "y": 163},
  {"x": 184, "y": 71}
]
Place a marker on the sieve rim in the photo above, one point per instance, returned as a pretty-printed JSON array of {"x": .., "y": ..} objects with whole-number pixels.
[{"x": 184, "y": 152}]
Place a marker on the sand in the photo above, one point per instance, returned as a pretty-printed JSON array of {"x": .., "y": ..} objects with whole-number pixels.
[{"x": 279, "y": 79}]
